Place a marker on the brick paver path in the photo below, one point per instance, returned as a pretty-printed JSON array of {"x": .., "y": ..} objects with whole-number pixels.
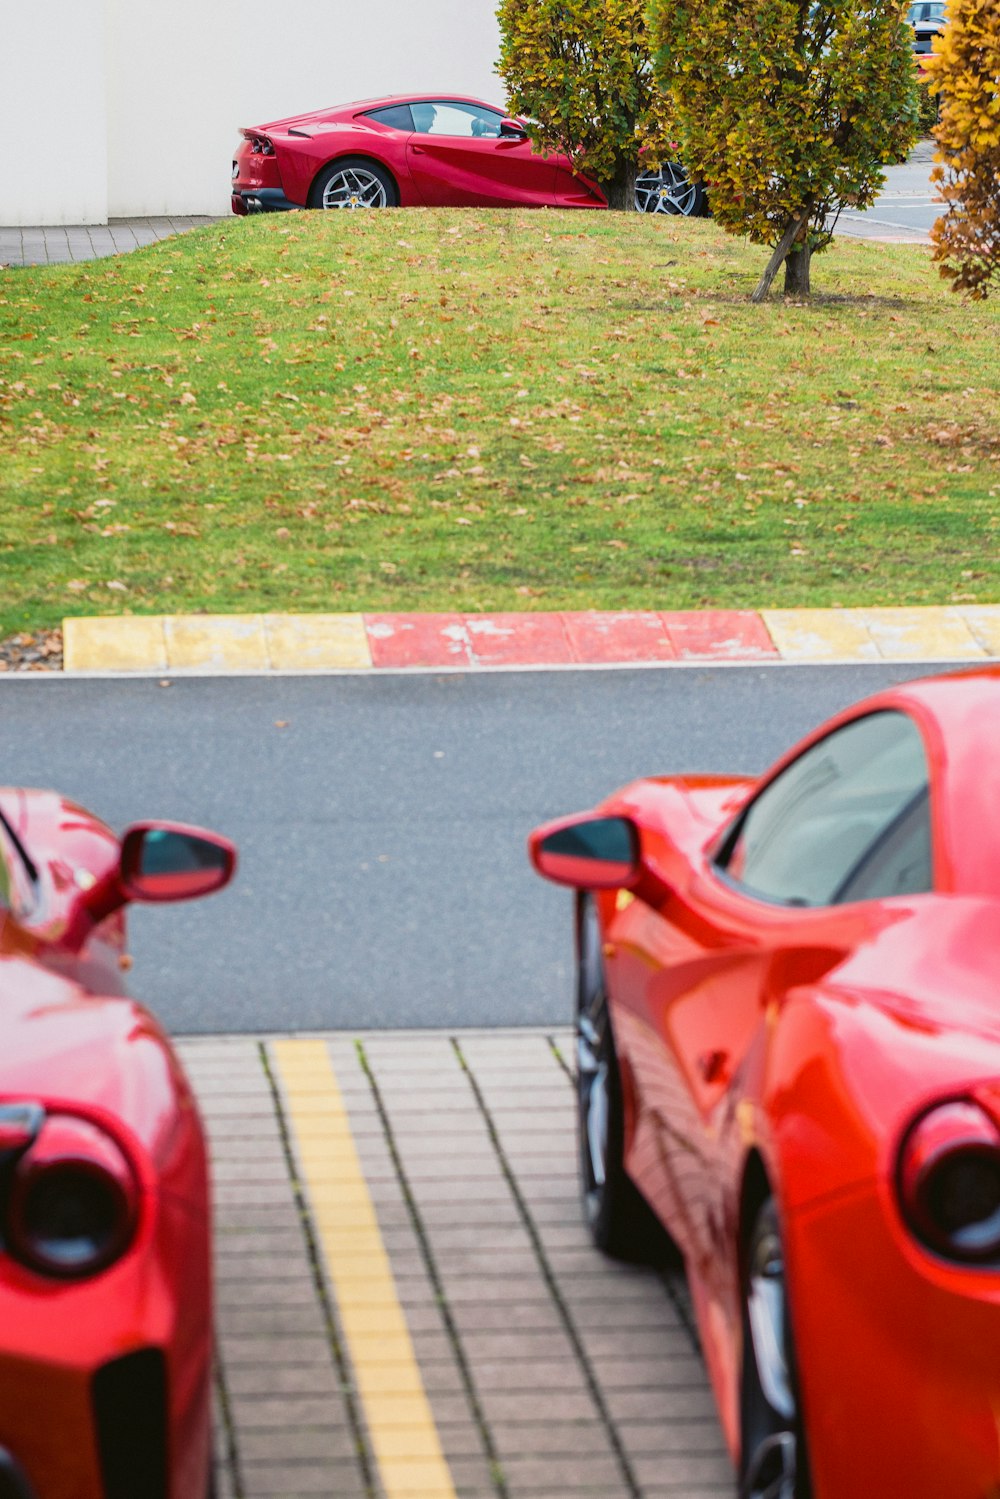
[
  {"x": 550, "y": 1371},
  {"x": 57, "y": 245}
]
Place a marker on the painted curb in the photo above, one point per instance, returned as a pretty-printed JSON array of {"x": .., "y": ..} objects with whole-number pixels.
[{"x": 276, "y": 643}]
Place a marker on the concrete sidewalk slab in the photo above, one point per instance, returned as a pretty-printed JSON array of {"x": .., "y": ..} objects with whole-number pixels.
[
  {"x": 65, "y": 243},
  {"x": 409, "y": 1305},
  {"x": 205, "y": 644}
]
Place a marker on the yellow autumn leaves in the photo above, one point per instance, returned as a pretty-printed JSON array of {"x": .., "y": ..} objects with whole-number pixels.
[{"x": 965, "y": 73}]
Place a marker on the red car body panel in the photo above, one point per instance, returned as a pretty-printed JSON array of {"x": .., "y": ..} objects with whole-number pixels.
[
  {"x": 71, "y": 1041},
  {"x": 802, "y": 1042},
  {"x": 428, "y": 170}
]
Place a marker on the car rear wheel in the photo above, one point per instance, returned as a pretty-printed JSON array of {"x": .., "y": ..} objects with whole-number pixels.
[
  {"x": 354, "y": 182},
  {"x": 773, "y": 1457},
  {"x": 620, "y": 1221},
  {"x": 670, "y": 190}
]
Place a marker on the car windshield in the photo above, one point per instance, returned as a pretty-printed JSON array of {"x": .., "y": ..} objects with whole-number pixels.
[{"x": 925, "y": 12}]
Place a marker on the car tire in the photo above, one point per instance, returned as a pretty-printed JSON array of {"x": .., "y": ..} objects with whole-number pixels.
[
  {"x": 773, "y": 1459},
  {"x": 354, "y": 182},
  {"x": 670, "y": 190},
  {"x": 620, "y": 1220}
]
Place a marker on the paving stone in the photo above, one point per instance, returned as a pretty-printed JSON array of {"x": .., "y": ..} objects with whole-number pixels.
[{"x": 289, "y": 1408}]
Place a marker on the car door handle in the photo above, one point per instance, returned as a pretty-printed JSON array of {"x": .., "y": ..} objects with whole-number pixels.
[{"x": 419, "y": 150}]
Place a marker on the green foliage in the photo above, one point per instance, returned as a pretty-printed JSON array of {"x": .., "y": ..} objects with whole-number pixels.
[
  {"x": 580, "y": 69},
  {"x": 965, "y": 73},
  {"x": 929, "y": 112},
  {"x": 788, "y": 109}
]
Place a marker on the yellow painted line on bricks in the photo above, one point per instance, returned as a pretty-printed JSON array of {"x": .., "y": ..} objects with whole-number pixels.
[{"x": 400, "y": 1422}]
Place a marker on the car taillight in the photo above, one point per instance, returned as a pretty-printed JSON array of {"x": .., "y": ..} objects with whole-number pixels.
[
  {"x": 949, "y": 1182},
  {"x": 72, "y": 1202}
]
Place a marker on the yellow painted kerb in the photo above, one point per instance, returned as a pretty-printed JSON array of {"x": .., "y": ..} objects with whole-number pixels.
[
  {"x": 397, "y": 1412},
  {"x": 217, "y": 643}
]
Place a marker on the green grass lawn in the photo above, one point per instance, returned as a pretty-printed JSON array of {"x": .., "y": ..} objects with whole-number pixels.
[{"x": 436, "y": 410}]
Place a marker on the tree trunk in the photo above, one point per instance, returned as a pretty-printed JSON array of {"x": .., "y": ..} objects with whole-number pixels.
[
  {"x": 620, "y": 189},
  {"x": 797, "y": 271},
  {"x": 793, "y": 229}
]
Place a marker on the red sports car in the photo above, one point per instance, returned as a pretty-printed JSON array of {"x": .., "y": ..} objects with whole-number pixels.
[
  {"x": 422, "y": 149},
  {"x": 105, "y": 1268},
  {"x": 789, "y": 1046}
]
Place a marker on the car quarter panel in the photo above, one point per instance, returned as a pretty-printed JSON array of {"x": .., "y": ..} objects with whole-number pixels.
[
  {"x": 901, "y": 1385},
  {"x": 58, "y": 1335}
]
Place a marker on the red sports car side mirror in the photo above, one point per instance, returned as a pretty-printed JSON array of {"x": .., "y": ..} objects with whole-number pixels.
[
  {"x": 162, "y": 861},
  {"x": 587, "y": 853},
  {"x": 512, "y": 130}
]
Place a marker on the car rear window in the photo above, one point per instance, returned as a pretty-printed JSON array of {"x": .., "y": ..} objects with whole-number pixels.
[{"x": 396, "y": 116}]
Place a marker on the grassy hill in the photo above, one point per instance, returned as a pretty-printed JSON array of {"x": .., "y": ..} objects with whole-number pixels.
[{"x": 439, "y": 410}]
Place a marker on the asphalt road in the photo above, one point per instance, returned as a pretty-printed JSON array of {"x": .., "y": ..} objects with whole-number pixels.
[
  {"x": 381, "y": 820},
  {"x": 906, "y": 208}
]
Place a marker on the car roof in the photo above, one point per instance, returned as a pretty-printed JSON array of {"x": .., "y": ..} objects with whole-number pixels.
[{"x": 363, "y": 106}]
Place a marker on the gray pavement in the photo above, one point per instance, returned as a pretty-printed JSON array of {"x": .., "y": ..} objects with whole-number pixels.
[
  {"x": 381, "y": 820},
  {"x": 906, "y": 208},
  {"x": 35, "y": 245},
  {"x": 408, "y": 1304}
]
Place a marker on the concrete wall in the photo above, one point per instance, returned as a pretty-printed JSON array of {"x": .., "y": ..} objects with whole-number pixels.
[
  {"x": 53, "y": 113},
  {"x": 118, "y": 108}
]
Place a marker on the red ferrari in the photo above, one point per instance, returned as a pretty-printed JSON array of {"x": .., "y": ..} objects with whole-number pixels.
[
  {"x": 422, "y": 149},
  {"x": 105, "y": 1266},
  {"x": 789, "y": 1048}
]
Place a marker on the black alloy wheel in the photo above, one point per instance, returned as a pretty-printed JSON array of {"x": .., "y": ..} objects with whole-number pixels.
[
  {"x": 620, "y": 1221},
  {"x": 773, "y": 1462}
]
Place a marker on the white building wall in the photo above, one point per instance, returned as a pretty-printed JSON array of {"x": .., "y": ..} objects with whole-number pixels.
[
  {"x": 127, "y": 108},
  {"x": 53, "y": 112}
]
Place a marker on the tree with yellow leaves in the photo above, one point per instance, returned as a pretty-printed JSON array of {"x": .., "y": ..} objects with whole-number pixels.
[
  {"x": 580, "y": 71},
  {"x": 965, "y": 73},
  {"x": 788, "y": 109}
]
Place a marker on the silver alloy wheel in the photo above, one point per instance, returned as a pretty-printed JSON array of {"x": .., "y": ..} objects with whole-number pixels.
[
  {"x": 354, "y": 187},
  {"x": 773, "y": 1468},
  {"x": 592, "y": 1055},
  {"x": 669, "y": 190}
]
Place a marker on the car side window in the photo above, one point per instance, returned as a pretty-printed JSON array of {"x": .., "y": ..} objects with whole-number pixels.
[
  {"x": 449, "y": 118},
  {"x": 848, "y": 820},
  {"x": 397, "y": 116}
]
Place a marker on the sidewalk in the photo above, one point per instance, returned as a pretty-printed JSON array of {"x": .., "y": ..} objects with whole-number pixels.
[
  {"x": 408, "y": 1304},
  {"x": 57, "y": 246}
]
